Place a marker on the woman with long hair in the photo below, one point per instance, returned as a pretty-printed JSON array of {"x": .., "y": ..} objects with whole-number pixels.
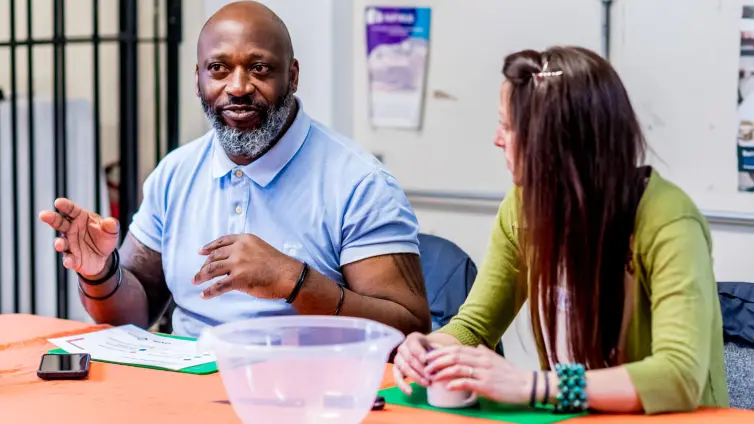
[{"x": 614, "y": 260}]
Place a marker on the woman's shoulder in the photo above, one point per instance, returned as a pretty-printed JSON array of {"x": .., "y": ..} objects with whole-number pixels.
[
  {"x": 509, "y": 211},
  {"x": 662, "y": 204}
]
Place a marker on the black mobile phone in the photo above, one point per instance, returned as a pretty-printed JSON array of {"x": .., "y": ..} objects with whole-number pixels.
[
  {"x": 379, "y": 404},
  {"x": 69, "y": 366}
]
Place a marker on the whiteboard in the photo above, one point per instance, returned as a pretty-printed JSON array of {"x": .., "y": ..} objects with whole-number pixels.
[
  {"x": 679, "y": 60},
  {"x": 680, "y": 71}
]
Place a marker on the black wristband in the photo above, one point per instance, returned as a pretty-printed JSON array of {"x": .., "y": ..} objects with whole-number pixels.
[
  {"x": 533, "y": 398},
  {"x": 340, "y": 302},
  {"x": 107, "y": 296},
  {"x": 113, "y": 269},
  {"x": 299, "y": 283},
  {"x": 546, "y": 400}
]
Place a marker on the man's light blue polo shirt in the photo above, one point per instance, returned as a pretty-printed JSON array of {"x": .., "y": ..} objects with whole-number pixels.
[{"x": 315, "y": 196}]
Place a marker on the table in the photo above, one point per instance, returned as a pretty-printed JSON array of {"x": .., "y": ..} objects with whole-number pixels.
[{"x": 121, "y": 394}]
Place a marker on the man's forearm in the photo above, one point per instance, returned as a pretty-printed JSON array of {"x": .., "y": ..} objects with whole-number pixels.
[
  {"x": 320, "y": 296},
  {"x": 142, "y": 295},
  {"x": 127, "y": 306}
]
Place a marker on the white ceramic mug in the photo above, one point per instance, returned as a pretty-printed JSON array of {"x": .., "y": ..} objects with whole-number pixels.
[{"x": 440, "y": 397}]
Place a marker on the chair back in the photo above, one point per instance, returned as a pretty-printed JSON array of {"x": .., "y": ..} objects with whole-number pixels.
[
  {"x": 739, "y": 369},
  {"x": 449, "y": 274},
  {"x": 737, "y": 306}
]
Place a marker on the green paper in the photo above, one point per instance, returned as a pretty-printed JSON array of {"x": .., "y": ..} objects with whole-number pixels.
[
  {"x": 486, "y": 409},
  {"x": 208, "y": 368}
]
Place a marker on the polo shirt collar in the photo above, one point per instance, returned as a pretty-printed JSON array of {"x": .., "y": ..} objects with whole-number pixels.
[{"x": 263, "y": 170}]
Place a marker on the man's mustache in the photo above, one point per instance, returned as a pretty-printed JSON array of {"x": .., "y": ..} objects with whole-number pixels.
[{"x": 244, "y": 101}]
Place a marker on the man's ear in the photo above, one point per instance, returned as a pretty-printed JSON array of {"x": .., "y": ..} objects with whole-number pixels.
[
  {"x": 196, "y": 82},
  {"x": 294, "y": 75}
]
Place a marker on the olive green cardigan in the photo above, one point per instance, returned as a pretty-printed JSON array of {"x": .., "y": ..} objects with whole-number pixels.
[{"x": 673, "y": 343}]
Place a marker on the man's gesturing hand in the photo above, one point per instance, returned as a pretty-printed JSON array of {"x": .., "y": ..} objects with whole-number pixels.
[
  {"x": 249, "y": 265},
  {"x": 87, "y": 239}
]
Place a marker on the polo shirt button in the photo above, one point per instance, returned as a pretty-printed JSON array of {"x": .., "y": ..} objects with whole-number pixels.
[
  {"x": 239, "y": 174},
  {"x": 239, "y": 209}
]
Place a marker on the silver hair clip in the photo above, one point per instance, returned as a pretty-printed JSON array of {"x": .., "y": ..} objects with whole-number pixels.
[{"x": 545, "y": 73}]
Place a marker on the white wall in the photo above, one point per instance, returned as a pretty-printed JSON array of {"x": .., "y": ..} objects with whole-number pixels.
[{"x": 454, "y": 149}]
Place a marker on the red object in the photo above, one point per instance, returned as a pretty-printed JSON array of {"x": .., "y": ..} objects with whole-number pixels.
[{"x": 112, "y": 176}]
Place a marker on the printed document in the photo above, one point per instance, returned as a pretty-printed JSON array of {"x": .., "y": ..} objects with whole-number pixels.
[{"x": 130, "y": 344}]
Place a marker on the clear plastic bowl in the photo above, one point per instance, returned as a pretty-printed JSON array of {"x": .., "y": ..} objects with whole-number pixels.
[{"x": 301, "y": 369}]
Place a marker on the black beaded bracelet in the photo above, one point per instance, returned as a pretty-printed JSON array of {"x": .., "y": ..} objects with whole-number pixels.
[
  {"x": 299, "y": 283},
  {"x": 113, "y": 269}
]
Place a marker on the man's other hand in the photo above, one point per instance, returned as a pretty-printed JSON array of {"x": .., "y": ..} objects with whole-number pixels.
[{"x": 248, "y": 264}]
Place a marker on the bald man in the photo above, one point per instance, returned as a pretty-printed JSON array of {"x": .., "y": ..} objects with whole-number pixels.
[{"x": 269, "y": 213}]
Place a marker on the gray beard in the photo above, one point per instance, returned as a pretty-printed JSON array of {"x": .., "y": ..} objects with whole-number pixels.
[{"x": 255, "y": 142}]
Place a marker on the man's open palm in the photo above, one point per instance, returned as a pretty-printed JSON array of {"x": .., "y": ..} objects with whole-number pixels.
[{"x": 87, "y": 238}]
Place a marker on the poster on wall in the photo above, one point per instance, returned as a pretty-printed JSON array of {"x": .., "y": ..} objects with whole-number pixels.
[
  {"x": 397, "y": 55},
  {"x": 746, "y": 102}
]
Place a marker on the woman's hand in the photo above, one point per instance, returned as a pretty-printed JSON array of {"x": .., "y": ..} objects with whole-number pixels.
[
  {"x": 411, "y": 358},
  {"x": 480, "y": 370},
  {"x": 410, "y": 361}
]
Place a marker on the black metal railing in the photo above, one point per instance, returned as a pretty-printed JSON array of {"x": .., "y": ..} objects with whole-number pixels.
[{"x": 128, "y": 41}]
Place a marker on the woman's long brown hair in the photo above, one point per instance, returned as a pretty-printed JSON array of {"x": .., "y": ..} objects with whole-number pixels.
[{"x": 578, "y": 147}]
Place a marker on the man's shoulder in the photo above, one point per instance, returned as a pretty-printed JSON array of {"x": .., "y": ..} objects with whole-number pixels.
[
  {"x": 343, "y": 154},
  {"x": 349, "y": 169}
]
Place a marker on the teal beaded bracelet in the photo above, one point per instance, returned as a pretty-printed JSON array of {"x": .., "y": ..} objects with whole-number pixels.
[{"x": 572, "y": 387}]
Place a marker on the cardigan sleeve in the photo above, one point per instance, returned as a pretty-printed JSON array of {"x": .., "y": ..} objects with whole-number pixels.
[
  {"x": 498, "y": 292},
  {"x": 679, "y": 271}
]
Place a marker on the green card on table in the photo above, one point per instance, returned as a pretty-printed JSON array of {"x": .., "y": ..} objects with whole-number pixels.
[
  {"x": 485, "y": 409},
  {"x": 208, "y": 368}
]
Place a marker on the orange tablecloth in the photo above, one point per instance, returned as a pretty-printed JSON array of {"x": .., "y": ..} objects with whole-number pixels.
[{"x": 121, "y": 394}]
